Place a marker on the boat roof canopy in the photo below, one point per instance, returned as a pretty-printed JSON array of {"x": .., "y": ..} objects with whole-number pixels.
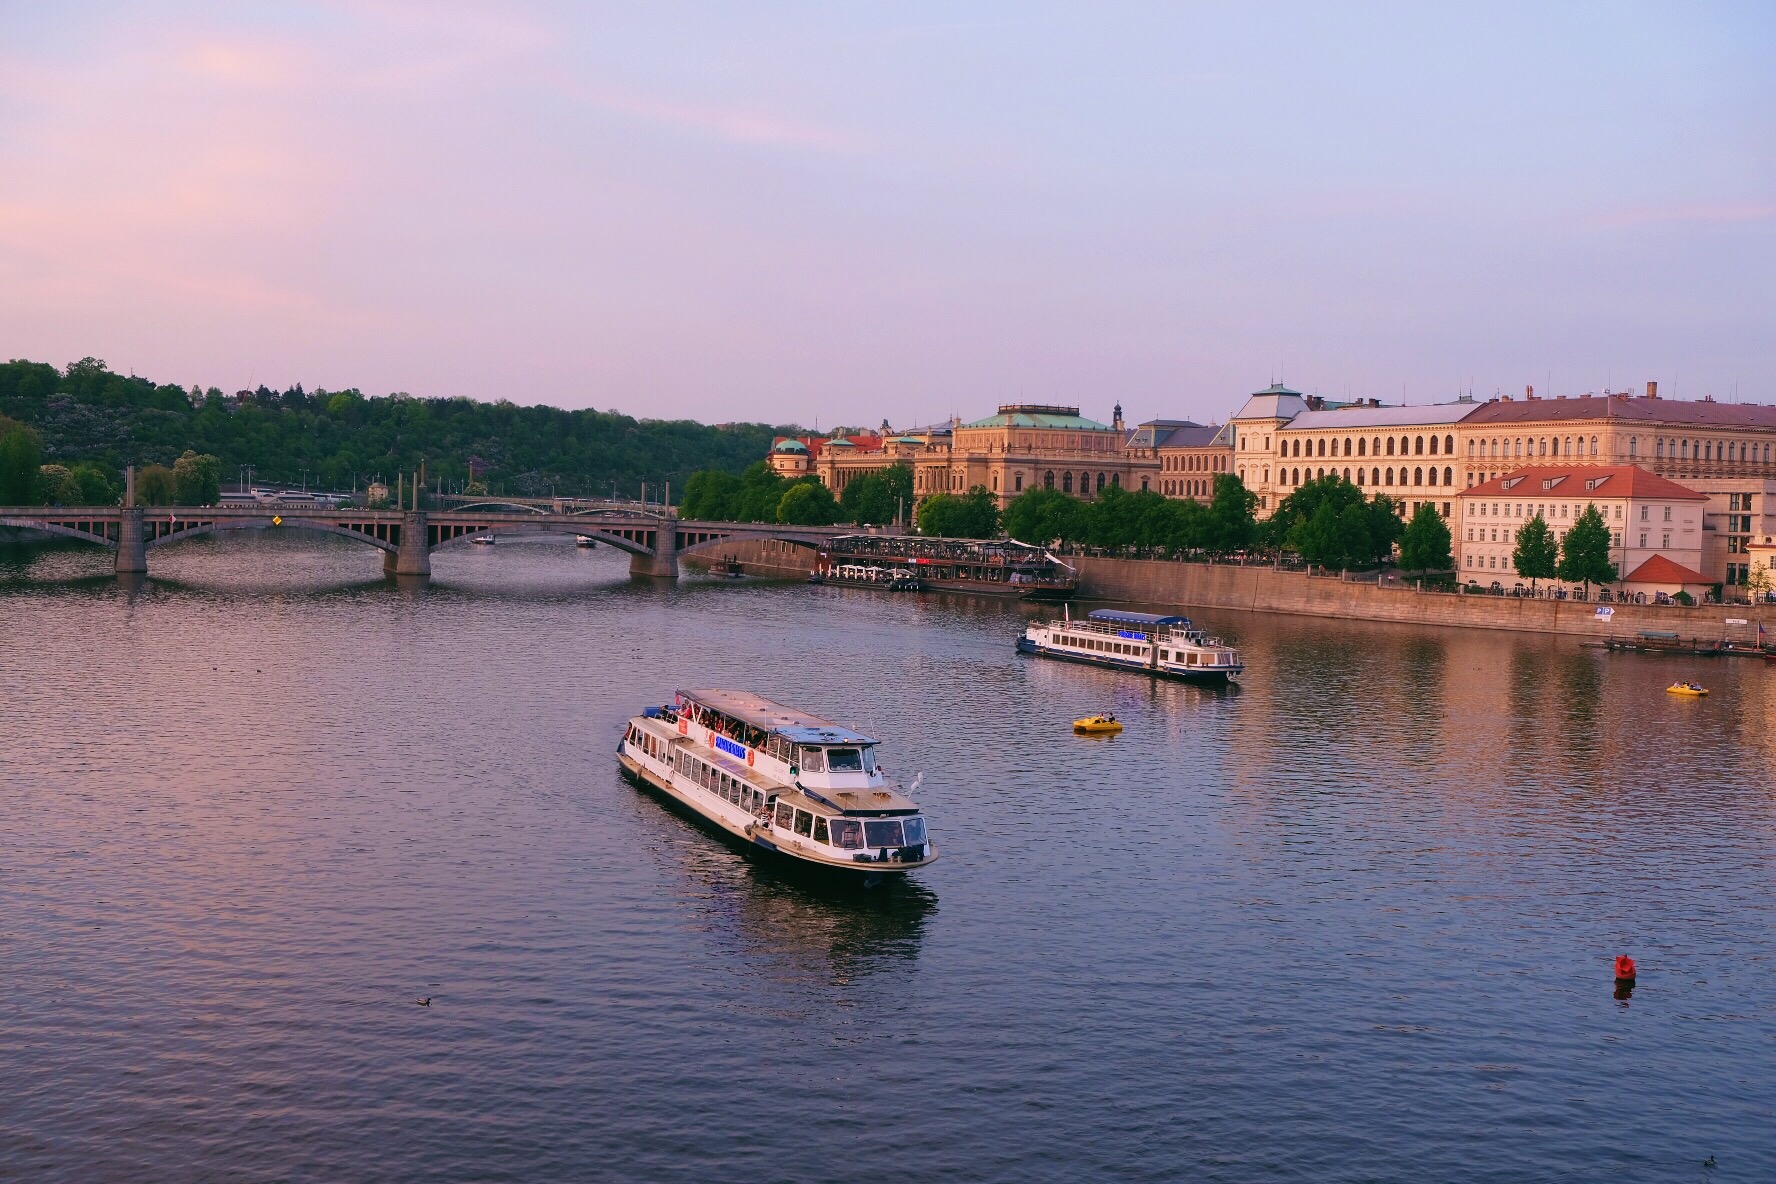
[
  {"x": 797, "y": 726},
  {"x": 1127, "y": 618}
]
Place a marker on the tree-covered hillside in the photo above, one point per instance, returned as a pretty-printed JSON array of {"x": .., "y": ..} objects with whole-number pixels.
[{"x": 342, "y": 438}]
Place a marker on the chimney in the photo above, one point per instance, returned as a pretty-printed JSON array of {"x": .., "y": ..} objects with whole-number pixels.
[
  {"x": 1652, "y": 390},
  {"x": 1529, "y": 392}
]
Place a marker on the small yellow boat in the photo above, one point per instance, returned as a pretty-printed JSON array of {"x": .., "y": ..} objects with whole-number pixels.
[
  {"x": 1690, "y": 689},
  {"x": 1097, "y": 725}
]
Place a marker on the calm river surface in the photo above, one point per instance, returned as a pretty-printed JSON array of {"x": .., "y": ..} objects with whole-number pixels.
[{"x": 1353, "y": 921}]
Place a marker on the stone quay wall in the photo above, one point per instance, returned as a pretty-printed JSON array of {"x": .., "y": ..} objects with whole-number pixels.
[
  {"x": 768, "y": 558},
  {"x": 1264, "y": 589}
]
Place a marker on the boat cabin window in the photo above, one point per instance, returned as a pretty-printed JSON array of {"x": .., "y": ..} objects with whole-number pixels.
[
  {"x": 844, "y": 760},
  {"x": 820, "y": 833},
  {"x": 882, "y": 832},
  {"x": 847, "y": 834},
  {"x": 804, "y": 822},
  {"x": 785, "y": 815},
  {"x": 813, "y": 760},
  {"x": 915, "y": 831}
]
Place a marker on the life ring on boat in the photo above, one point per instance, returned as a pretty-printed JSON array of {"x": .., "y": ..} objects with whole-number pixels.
[{"x": 749, "y": 756}]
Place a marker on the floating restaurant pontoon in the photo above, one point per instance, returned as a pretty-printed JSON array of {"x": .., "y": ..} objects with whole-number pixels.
[
  {"x": 992, "y": 567},
  {"x": 786, "y": 782},
  {"x": 1162, "y": 645}
]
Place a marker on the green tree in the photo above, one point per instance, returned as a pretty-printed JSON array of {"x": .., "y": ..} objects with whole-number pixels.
[
  {"x": 875, "y": 498},
  {"x": 1536, "y": 552},
  {"x": 807, "y": 503},
  {"x": 1585, "y": 552},
  {"x": 199, "y": 479},
  {"x": 973, "y": 515},
  {"x": 1042, "y": 516},
  {"x": 1424, "y": 545},
  {"x": 96, "y": 485},
  {"x": 710, "y": 496},
  {"x": 157, "y": 486},
  {"x": 20, "y": 457},
  {"x": 1330, "y": 523},
  {"x": 1232, "y": 523}
]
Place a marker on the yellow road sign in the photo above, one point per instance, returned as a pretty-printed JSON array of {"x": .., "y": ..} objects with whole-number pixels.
[{"x": 277, "y": 520}]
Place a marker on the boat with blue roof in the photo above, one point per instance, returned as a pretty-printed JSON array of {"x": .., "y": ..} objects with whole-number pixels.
[
  {"x": 783, "y": 781},
  {"x": 1147, "y": 643}
]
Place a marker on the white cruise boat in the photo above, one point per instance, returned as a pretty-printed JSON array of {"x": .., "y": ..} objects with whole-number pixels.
[
  {"x": 787, "y": 782},
  {"x": 1167, "y": 646}
]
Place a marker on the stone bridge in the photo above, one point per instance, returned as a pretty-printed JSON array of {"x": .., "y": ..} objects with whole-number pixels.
[{"x": 406, "y": 538}]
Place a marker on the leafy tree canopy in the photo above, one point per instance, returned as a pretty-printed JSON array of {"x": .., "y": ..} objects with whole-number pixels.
[
  {"x": 807, "y": 503},
  {"x": 875, "y": 498},
  {"x": 1585, "y": 552},
  {"x": 1424, "y": 545},
  {"x": 971, "y": 515},
  {"x": 1536, "y": 552}
]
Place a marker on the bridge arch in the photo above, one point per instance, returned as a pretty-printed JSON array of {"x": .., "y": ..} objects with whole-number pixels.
[
  {"x": 557, "y": 527},
  {"x": 752, "y": 536},
  {"x": 503, "y": 505},
  {"x": 229, "y": 524},
  {"x": 55, "y": 528}
]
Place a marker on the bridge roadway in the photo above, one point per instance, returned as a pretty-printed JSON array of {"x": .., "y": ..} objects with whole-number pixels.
[{"x": 406, "y": 538}]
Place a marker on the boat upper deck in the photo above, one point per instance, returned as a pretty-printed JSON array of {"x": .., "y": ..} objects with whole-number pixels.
[{"x": 799, "y": 727}]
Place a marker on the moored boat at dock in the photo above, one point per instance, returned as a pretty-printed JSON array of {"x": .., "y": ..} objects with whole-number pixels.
[
  {"x": 786, "y": 782},
  {"x": 988, "y": 567},
  {"x": 1168, "y": 646}
]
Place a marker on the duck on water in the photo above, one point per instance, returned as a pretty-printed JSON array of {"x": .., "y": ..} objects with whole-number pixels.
[{"x": 787, "y": 783}]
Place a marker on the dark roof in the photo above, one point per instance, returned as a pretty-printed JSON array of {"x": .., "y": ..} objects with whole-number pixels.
[
  {"x": 1628, "y": 408},
  {"x": 1194, "y": 435},
  {"x": 1128, "y": 618}
]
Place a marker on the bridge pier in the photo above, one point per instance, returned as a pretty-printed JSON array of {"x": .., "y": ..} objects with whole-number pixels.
[
  {"x": 132, "y": 556},
  {"x": 413, "y": 557},
  {"x": 663, "y": 563}
]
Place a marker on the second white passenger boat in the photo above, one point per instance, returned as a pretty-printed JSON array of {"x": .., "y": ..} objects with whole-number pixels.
[
  {"x": 1164, "y": 645},
  {"x": 788, "y": 783}
]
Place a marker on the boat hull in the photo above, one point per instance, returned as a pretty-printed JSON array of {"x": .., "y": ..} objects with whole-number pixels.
[
  {"x": 1205, "y": 677},
  {"x": 763, "y": 844}
]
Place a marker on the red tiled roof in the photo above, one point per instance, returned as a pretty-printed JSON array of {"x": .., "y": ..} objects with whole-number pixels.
[
  {"x": 1629, "y": 408},
  {"x": 1619, "y": 481},
  {"x": 815, "y": 443},
  {"x": 1660, "y": 570}
]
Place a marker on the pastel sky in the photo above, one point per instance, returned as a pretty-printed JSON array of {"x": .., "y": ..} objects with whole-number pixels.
[{"x": 851, "y": 212}]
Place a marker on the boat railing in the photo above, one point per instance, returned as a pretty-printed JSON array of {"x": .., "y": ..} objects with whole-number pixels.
[{"x": 1126, "y": 629}]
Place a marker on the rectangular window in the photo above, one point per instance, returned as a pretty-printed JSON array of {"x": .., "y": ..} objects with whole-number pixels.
[
  {"x": 820, "y": 833},
  {"x": 1643, "y": 538},
  {"x": 1667, "y": 513},
  {"x": 1644, "y": 511},
  {"x": 804, "y": 822},
  {"x": 915, "y": 832},
  {"x": 813, "y": 760},
  {"x": 844, "y": 760},
  {"x": 785, "y": 815},
  {"x": 882, "y": 832},
  {"x": 847, "y": 834}
]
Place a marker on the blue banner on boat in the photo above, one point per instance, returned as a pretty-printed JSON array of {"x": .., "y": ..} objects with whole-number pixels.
[{"x": 731, "y": 748}]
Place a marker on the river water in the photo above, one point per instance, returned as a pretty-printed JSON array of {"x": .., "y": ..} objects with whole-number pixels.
[{"x": 1351, "y": 921}]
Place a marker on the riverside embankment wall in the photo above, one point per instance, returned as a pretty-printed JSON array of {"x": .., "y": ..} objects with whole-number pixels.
[
  {"x": 759, "y": 557},
  {"x": 1264, "y": 589}
]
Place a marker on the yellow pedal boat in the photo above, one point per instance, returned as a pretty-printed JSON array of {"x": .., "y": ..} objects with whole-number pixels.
[
  {"x": 1097, "y": 725},
  {"x": 1690, "y": 689}
]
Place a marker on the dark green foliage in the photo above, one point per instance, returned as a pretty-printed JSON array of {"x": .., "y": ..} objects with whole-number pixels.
[
  {"x": 342, "y": 438},
  {"x": 20, "y": 457},
  {"x": 1424, "y": 545},
  {"x": 972, "y": 515},
  {"x": 807, "y": 503},
  {"x": 157, "y": 485},
  {"x": 1232, "y": 523},
  {"x": 1042, "y": 516},
  {"x": 875, "y": 498},
  {"x": 198, "y": 478},
  {"x": 1585, "y": 552},
  {"x": 1536, "y": 552},
  {"x": 1330, "y": 523}
]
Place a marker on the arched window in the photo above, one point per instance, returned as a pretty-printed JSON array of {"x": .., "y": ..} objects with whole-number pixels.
[
  {"x": 1471, "y": 449},
  {"x": 1242, "y": 473},
  {"x": 1115, "y": 479},
  {"x": 1433, "y": 468},
  {"x": 1418, "y": 476},
  {"x": 1347, "y": 445},
  {"x": 1100, "y": 483},
  {"x": 1593, "y": 445},
  {"x": 1143, "y": 485},
  {"x": 1320, "y": 474},
  {"x": 1448, "y": 475},
  {"x": 1418, "y": 446},
  {"x": 1390, "y": 479},
  {"x": 1018, "y": 478},
  {"x": 1390, "y": 445},
  {"x": 1294, "y": 476},
  {"x": 1362, "y": 447},
  {"x": 1633, "y": 445},
  {"x": 1297, "y": 448},
  {"x": 1067, "y": 482},
  {"x": 1267, "y": 474},
  {"x": 1359, "y": 476},
  {"x": 1448, "y": 445},
  {"x": 995, "y": 482},
  {"x": 1347, "y": 474},
  {"x": 1433, "y": 446},
  {"x": 1659, "y": 448},
  {"x": 1375, "y": 476}
]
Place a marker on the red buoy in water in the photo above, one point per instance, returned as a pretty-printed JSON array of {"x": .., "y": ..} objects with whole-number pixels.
[{"x": 1624, "y": 967}]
